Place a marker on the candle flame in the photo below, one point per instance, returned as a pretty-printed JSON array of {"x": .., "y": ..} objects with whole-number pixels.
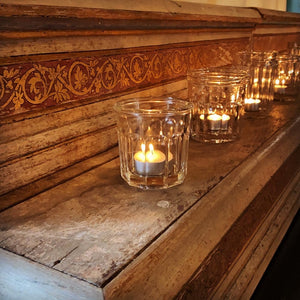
[
  {"x": 143, "y": 146},
  {"x": 151, "y": 148}
]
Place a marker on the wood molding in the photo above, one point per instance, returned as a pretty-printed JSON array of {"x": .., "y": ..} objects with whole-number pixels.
[
  {"x": 218, "y": 264},
  {"x": 158, "y": 10},
  {"x": 169, "y": 262},
  {"x": 245, "y": 273}
]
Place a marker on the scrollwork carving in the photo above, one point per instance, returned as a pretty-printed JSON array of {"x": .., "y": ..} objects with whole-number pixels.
[{"x": 48, "y": 83}]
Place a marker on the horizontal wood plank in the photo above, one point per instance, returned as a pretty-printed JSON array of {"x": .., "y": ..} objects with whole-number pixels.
[
  {"x": 22, "y": 126},
  {"x": 30, "y": 144},
  {"x": 118, "y": 10},
  {"x": 46, "y": 182},
  {"x": 23, "y": 279},
  {"x": 22, "y": 171}
]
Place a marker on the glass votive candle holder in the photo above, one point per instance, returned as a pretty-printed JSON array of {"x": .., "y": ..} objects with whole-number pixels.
[
  {"x": 217, "y": 96},
  {"x": 297, "y": 70},
  {"x": 285, "y": 77},
  {"x": 153, "y": 136},
  {"x": 260, "y": 88}
]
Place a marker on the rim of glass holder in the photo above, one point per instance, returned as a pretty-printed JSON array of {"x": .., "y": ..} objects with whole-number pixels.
[
  {"x": 146, "y": 106},
  {"x": 219, "y": 75},
  {"x": 248, "y": 57},
  {"x": 283, "y": 57}
]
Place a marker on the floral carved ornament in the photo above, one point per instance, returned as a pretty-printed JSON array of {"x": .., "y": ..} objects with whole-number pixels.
[{"x": 48, "y": 83}]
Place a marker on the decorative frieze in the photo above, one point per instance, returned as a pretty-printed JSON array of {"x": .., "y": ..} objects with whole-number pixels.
[{"x": 35, "y": 85}]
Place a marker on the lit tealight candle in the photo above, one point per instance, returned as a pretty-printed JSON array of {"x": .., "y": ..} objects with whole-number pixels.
[
  {"x": 214, "y": 122},
  {"x": 280, "y": 87},
  {"x": 252, "y": 104},
  {"x": 150, "y": 163},
  {"x": 225, "y": 121}
]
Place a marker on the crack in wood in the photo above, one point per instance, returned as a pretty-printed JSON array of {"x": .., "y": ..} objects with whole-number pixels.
[
  {"x": 32, "y": 249},
  {"x": 64, "y": 257}
]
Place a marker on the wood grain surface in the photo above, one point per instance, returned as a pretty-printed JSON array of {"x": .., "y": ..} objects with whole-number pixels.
[
  {"x": 70, "y": 227},
  {"x": 94, "y": 225}
]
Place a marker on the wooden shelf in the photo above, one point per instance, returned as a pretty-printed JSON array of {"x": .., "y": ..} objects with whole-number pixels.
[{"x": 124, "y": 242}]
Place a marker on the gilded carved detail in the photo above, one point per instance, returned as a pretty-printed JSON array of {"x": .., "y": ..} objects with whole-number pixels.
[{"x": 33, "y": 85}]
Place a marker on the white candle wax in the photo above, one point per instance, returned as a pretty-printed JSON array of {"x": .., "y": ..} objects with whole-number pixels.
[
  {"x": 225, "y": 121},
  {"x": 150, "y": 163},
  {"x": 214, "y": 122},
  {"x": 252, "y": 104},
  {"x": 279, "y": 87}
]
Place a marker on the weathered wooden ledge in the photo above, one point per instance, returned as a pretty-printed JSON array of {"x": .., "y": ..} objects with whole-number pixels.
[
  {"x": 70, "y": 227},
  {"x": 93, "y": 236}
]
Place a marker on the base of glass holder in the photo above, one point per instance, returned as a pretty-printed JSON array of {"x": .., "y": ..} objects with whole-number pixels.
[
  {"x": 214, "y": 139},
  {"x": 284, "y": 97},
  {"x": 262, "y": 113},
  {"x": 154, "y": 182}
]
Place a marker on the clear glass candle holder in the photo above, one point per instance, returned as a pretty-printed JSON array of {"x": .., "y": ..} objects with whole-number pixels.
[
  {"x": 260, "y": 88},
  {"x": 285, "y": 77},
  {"x": 153, "y": 138},
  {"x": 294, "y": 52},
  {"x": 217, "y": 96}
]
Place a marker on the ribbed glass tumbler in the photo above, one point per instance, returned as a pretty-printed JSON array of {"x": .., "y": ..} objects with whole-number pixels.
[
  {"x": 217, "y": 97},
  {"x": 153, "y": 138},
  {"x": 285, "y": 80},
  {"x": 260, "y": 89}
]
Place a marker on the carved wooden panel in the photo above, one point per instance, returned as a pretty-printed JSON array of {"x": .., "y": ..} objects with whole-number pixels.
[{"x": 39, "y": 84}]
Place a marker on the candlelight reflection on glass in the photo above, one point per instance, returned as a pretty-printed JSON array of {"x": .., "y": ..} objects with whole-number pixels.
[
  {"x": 294, "y": 53},
  {"x": 216, "y": 94},
  {"x": 260, "y": 88},
  {"x": 153, "y": 138},
  {"x": 286, "y": 77}
]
